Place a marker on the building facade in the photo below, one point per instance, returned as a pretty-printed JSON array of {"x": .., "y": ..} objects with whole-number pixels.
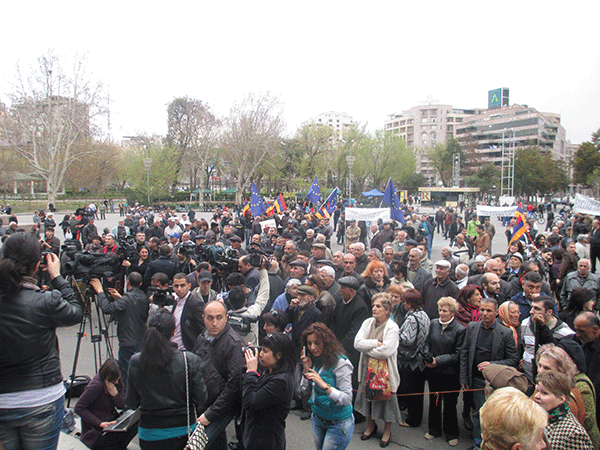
[
  {"x": 488, "y": 131},
  {"x": 424, "y": 126},
  {"x": 340, "y": 122}
]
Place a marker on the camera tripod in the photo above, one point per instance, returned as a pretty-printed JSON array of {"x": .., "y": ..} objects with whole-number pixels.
[{"x": 87, "y": 297}]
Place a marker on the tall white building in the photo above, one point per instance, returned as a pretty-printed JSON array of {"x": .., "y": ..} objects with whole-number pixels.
[
  {"x": 424, "y": 126},
  {"x": 338, "y": 121}
]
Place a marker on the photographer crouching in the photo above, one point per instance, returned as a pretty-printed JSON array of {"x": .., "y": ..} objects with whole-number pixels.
[{"x": 32, "y": 390}]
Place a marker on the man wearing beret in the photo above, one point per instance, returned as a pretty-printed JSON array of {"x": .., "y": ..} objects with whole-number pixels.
[{"x": 348, "y": 317}]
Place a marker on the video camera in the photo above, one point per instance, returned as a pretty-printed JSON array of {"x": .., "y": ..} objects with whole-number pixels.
[
  {"x": 221, "y": 258},
  {"x": 241, "y": 323},
  {"x": 127, "y": 249},
  {"x": 85, "y": 266},
  {"x": 256, "y": 257},
  {"x": 161, "y": 297}
]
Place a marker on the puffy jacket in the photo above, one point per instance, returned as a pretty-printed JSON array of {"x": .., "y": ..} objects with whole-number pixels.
[
  {"x": 162, "y": 400},
  {"x": 222, "y": 364},
  {"x": 29, "y": 357}
]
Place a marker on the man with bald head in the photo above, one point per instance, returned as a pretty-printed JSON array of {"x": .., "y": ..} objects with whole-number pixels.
[
  {"x": 349, "y": 264},
  {"x": 223, "y": 364},
  {"x": 580, "y": 278}
]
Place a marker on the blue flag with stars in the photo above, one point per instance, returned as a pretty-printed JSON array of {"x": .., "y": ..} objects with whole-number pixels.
[
  {"x": 257, "y": 204},
  {"x": 314, "y": 193},
  {"x": 391, "y": 198}
]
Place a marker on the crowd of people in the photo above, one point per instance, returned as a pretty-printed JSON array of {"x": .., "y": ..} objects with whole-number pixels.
[{"x": 225, "y": 320}]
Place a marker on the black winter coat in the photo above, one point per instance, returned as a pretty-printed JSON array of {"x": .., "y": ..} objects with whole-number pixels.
[
  {"x": 445, "y": 346},
  {"x": 266, "y": 404}
]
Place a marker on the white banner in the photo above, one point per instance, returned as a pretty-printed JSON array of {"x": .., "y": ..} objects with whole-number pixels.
[
  {"x": 367, "y": 214},
  {"x": 496, "y": 211},
  {"x": 586, "y": 205},
  {"x": 269, "y": 223}
]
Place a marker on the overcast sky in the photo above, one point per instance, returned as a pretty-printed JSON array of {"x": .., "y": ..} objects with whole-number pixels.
[{"x": 368, "y": 59}]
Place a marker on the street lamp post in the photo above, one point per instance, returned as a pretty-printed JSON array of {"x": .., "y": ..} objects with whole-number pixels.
[
  {"x": 148, "y": 166},
  {"x": 350, "y": 161}
]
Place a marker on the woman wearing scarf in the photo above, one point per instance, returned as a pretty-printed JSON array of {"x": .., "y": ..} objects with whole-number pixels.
[
  {"x": 508, "y": 315},
  {"x": 564, "y": 432}
]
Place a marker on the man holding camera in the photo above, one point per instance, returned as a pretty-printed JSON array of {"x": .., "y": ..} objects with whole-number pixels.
[{"x": 131, "y": 313}]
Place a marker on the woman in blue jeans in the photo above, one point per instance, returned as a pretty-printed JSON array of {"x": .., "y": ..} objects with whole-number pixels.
[
  {"x": 328, "y": 371},
  {"x": 31, "y": 387}
]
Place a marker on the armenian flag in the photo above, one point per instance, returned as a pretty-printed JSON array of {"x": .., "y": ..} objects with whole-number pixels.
[
  {"x": 280, "y": 205},
  {"x": 328, "y": 207},
  {"x": 519, "y": 229}
]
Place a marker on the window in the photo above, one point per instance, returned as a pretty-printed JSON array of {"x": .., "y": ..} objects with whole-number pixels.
[
  {"x": 433, "y": 135},
  {"x": 424, "y": 137},
  {"x": 424, "y": 120}
]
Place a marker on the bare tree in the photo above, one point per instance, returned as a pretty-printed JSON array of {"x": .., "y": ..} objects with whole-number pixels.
[
  {"x": 52, "y": 116},
  {"x": 252, "y": 135},
  {"x": 193, "y": 132}
]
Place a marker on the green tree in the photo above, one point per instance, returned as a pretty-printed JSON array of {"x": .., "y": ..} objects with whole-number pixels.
[
  {"x": 537, "y": 173},
  {"x": 441, "y": 157},
  {"x": 387, "y": 156},
  {"x": 587, "y": 160},
  {"x": 164, "y": 168},
  {"x": 485, "y": 178}
]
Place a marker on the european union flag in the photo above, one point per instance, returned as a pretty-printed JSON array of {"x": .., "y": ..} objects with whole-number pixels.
[
  {"x": 390, "y": 196},
  {"x": 257, "y": 204},
  {"x": 314, "y": 193}
]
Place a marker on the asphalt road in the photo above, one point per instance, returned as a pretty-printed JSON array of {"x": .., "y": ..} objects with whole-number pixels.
[{"x": 298, "y": 433}]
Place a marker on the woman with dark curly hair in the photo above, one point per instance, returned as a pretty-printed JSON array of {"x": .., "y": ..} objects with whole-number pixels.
[
  {"x": 376, "y": 281},
  {"x": 329, "y": 371},
  {"x": 468, "y": 304}
]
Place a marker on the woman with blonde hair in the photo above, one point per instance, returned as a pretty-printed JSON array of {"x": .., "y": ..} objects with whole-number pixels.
[
  {"x": 511, "y": 421},
  {"x": 442, "y": 357}
]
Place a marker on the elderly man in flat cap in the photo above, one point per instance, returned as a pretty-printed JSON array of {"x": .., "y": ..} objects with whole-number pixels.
[{"x": 348, "y": 317}]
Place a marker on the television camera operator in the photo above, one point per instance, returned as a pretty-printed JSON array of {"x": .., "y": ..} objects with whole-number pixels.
[
  {"x": 131, "y": 312},
  {"x": 185, "y": 257},
  {"x": 244, "y": 318}
]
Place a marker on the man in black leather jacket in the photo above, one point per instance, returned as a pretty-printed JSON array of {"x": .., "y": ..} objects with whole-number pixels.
[
  {"x": 223, "y": 364},
  {"x": 131, "y": 312}
]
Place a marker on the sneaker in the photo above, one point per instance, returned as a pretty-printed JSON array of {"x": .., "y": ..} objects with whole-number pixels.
[
  {"x": 429, "y": 437},
  {"x": 453, "y": 442}
]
